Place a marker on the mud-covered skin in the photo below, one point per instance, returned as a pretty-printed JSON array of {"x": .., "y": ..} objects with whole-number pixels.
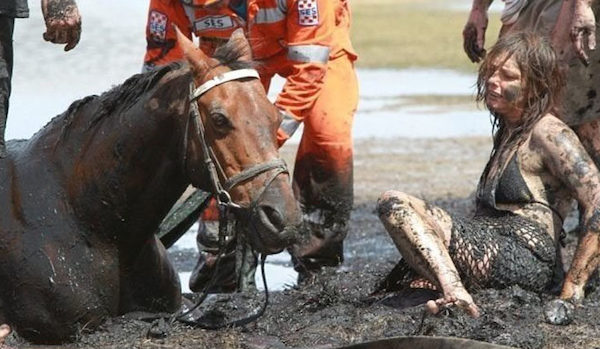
[
  {"x": 566, "y": 158},
  {"x": 422, "y": 233},
  {"x": 474, "y": 31},
  {"x": 573, "y": 30},
  {"x": 63, "y": 22},
  {"x": 513, "y": 93},
  {"x": 504, "y": 92},
  {"x": 556, "y": 169}
]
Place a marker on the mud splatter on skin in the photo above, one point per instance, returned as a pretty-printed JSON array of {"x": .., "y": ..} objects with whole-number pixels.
[
  {"x": 592, "y": 94},
  {"x": 593, "y": 223},
  {"x": 512, "y": 93},
  {"x": 385, "y": 206},
  {"x": 575, "y": 163}
]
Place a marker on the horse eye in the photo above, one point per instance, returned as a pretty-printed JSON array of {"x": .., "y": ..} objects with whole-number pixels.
[{"x": 220, "y": 120}]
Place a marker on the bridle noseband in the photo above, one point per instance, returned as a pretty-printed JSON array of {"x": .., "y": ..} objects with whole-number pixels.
[{"x": 221, "y": 190}]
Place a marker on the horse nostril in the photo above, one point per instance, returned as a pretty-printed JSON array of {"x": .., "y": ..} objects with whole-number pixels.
[{"x": 273, "y": 217}]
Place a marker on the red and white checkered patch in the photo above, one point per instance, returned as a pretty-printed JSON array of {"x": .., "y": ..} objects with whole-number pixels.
[
  {"x": 157, "y": 25},
  {"x": 308, "y": 12}
]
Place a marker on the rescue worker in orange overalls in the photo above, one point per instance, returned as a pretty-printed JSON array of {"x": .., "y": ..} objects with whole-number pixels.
[{"x": 308, "y": 43}]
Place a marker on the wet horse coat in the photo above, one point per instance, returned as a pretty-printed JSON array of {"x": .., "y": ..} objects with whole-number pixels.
[{"x": 81, "y": 199}]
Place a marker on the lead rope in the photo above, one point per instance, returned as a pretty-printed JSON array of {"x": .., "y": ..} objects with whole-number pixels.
[
  {"x": 225, "y": 226},
  {"x": 181, "y": 315}
]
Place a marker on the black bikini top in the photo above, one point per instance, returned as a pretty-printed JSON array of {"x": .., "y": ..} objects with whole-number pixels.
[{"x": 512, "y": 188}]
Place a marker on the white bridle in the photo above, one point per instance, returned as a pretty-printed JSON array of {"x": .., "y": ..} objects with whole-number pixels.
[
  {"x": 221, "y": 190},
  {"x": 223, "y": 78}
]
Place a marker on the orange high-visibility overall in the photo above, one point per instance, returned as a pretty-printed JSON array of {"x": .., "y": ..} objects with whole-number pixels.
[{"x": 308, "y": 43}]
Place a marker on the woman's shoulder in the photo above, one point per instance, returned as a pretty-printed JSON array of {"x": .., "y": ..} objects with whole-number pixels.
[
  {"x": 552, "y": 137},
  {"x": 549, "y": 128}
]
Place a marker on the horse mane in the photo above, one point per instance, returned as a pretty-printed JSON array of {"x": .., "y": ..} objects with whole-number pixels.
[
  {"x": 122, "y": 97},
  {"x": 119, "y": 98},
  {"x": 230, "y": 55}
]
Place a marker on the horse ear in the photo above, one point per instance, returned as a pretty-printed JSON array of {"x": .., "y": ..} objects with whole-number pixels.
[
  {"x": 241, "y": 43},
  {"x": 194, "y": 55}
]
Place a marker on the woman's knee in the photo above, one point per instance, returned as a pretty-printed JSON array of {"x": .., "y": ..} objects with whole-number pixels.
[{"x": 391, "y": 203}]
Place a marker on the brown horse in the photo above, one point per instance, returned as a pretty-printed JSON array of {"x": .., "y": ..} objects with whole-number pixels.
[{"x": 81, "y": 199}]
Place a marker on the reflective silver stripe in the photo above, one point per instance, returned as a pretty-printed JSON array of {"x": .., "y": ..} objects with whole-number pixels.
[
  {"x": 282, "y": 5},
  {"x": 289, "y": 125},
  {"x": 269, "y": 15},
  {"x": 308, "y": 53}
]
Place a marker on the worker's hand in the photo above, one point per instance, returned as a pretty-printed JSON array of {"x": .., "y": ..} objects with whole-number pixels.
[
  {"x": 474, "y": 34},
  {"x": 63, "y": 22},
  {"x": 574, "y": 30},
  {"x": 583, "y": 30}
]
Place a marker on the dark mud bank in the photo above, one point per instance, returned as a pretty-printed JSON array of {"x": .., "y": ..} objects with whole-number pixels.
[{"x": 337, "y": 309}]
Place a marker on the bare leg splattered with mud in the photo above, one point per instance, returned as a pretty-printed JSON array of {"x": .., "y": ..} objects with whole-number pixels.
[{"x": 422, "y": 233}]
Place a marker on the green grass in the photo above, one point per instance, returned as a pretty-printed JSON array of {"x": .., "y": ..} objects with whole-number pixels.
[{"x": 405, "y": 34}]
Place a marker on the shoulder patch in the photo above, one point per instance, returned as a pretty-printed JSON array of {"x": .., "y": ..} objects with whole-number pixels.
[
  {"x": 308, "y": 12},
  {"x": 157, "y": 25}
]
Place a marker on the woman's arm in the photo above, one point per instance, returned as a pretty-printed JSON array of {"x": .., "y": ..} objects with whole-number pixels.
[{"x": 566, "y": 158}]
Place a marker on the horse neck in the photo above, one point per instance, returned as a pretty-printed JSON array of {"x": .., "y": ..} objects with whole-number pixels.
[{"x": 123, "y": 171}]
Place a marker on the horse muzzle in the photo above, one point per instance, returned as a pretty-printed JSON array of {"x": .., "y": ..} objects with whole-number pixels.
[{"x": 272, "y": 230}]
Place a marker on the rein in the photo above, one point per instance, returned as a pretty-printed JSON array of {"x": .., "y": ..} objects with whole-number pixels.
[{"x": 221, "y": 192}]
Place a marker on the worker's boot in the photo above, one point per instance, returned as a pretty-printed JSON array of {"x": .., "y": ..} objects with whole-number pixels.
[
  {"x": 320, "y": 245},
  {"x": 236, "y": 268}
]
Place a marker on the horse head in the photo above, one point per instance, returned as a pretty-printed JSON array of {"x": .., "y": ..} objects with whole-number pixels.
[{"x": 232, "y": 134}]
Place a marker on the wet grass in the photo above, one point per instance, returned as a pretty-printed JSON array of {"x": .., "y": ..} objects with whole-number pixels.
[{"x": 412, "y": 34}]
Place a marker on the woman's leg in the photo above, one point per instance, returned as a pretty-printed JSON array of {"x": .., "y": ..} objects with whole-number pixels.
[{"x": 422, "y": 234}]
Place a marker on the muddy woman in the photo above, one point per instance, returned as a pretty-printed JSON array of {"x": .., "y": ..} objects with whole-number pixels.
[{"x": 536, "y": 168}]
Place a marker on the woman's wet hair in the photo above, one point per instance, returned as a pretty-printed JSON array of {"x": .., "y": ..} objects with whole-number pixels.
[
  {"x": 540, "y": 72},
  {"x": 542, "y": 83}
]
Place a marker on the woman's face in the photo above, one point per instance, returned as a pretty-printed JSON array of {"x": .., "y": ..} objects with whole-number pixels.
[{"x": 504, "y": 90}]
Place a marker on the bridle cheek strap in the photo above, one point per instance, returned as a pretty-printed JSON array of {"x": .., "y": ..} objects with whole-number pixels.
[
  {"x": 221, "y": 191},
  {"x": 223, "y": 78}
]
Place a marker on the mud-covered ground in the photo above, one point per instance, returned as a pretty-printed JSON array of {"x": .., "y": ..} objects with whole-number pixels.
[{"x": 337, "y": 309}]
